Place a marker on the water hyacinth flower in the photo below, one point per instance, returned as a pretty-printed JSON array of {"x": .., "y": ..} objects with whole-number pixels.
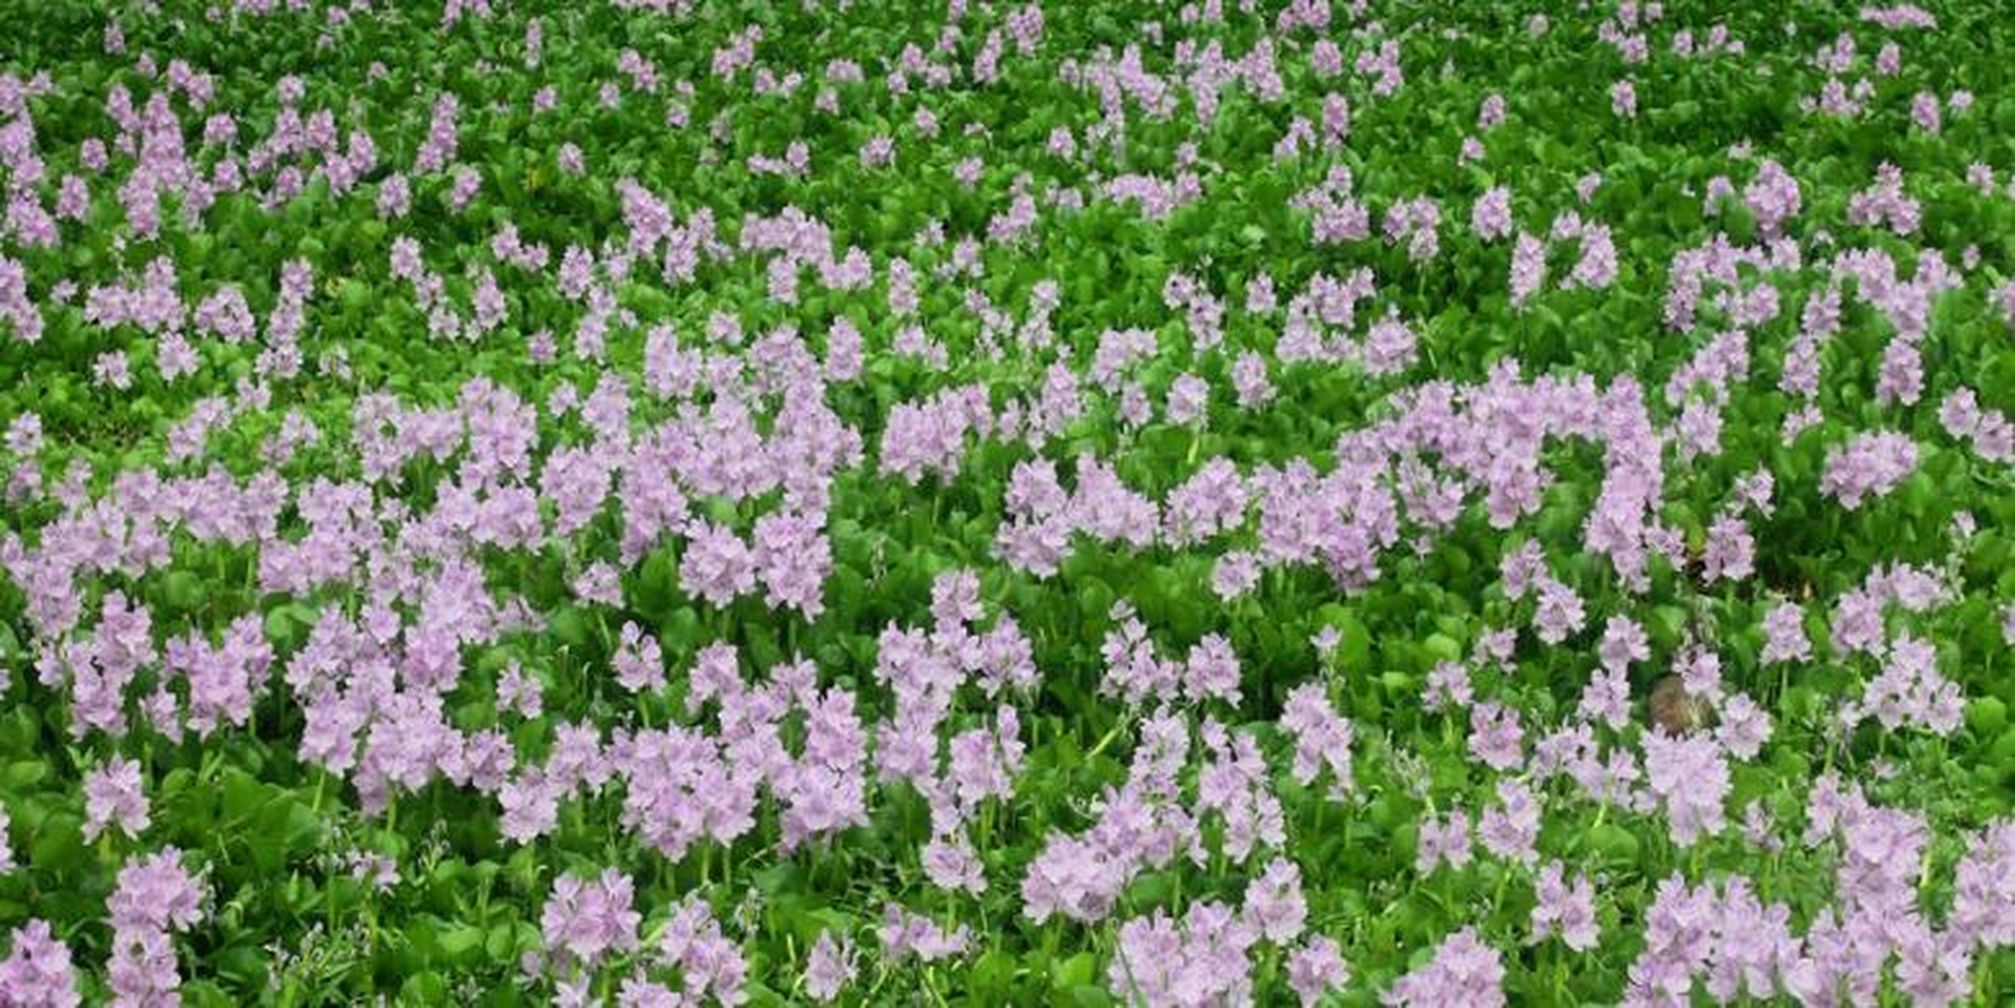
[
  {"x": 1315, "y": 969},
  {"x": 1623, "y": 98},
  {"x": 113, "y": 797},
  {"x": 1443, "y": 842},
  {"x": 1322, "y": 739},
  {"x": 1690, "y": 778},
  {"x": 1784, "y": 635},
  {"x": 587, "y": 919},
  {"x": 1203, "y": 959},
  {"x": 154, "y": 897},
  {"x": 1870, "y": 465},
  {"x": 1509, "y": 828},
  {"x": 1565, "y": 910},
  {"x": 1463, "y": 971},
  {"x": 1491, "y": 217},
  {"x": 708, "y": 964},
  {"x": 639, "y": 663},
  {"x": 1528, "y": 268},
  {"x": 156, "y": 893},
  {"x": 828, "y": 968},
  {"x": 904, "y": 933},
  {"x": 1496, "y": 736},
  {"x": 38, "y": 972},
  {"x": 1274, "y": 905}
]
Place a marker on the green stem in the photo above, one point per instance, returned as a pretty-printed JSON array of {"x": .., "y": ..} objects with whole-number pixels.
[{"x": 1107, "y": 740}]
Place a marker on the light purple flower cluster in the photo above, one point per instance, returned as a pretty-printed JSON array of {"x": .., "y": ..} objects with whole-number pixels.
[
  {"x": 1490, "y": 218},
  {"x": 1206, "y": 958},
  {"x": 1137, "y": 675},
  {"x": 154, "y": 898},
  {"x": 1463, "y": 971},
  {"x": 586, "y": 920},
  {"x": 37, "y": 972},
  {"x": 112, "y": 797},
  {"x": 1869, "y": 465},
  {"x": 1689, "y": 776},
  {"x": 1987, "y": 432},
  {"x": 1201, "y": 961},
  {"x": 708, "y": 964},
  {"x": 1141, "y": 824},
  {"x": 829, "y": 967},
  {"x": 1565, "y": 910},
  {"x": 904, "y": 933},
  {"x": 1444, "y": 840},
  {"x": 1322, "y": 739}
]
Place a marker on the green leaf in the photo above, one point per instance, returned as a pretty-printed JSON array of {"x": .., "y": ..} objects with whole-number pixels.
[
  {"x": 58, "y": 843},
  {"x": 459, "y": 942},
  {"x": 1076, "y": 970},
  {"x": 24, "y": 774},
  {"x": 1986, "y": 715},
  {"x": 1613, "y": 843}
]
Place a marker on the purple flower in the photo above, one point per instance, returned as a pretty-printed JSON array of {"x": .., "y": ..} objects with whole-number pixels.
[
  {"x": 1784, "y": 635},
  {"x": 1235, "y": 783},
  {"x": 1528, "y": 268},
  {"x": 639, "y": 661},
  {"x": 1443, "y": 841},
  {"x": 1623, "y": 99},
  {"x": 1744, "y": 727},
  {"x": 904, "y": 934},
  {"x": 1773, "y": 197},
  {"x": 691, "y": 940},
  {"x": 1236, "y": 573},
  {"x": 1690, "y": 777},
  {"x": 1561, "y": 612},
  {"x": 1447, "y": 686},
  {"x": 1568, "y": 911},
  {"x": 155, "y": 894},
  {"x": 792, "y": 559},
  {"x": 828, "y": 968},
  {"x": 1510, "y": 828},
  {"x": 530, "y": 804},
  {"x": 1623, "y": 642},
  {"x": 1322, "y": 738},
  {"x": 1188, "y": 400},
  {"x": 1204, "y": 960},
  {"x": 586, "y": 919},
  {"x": 952, "y": 865},
  {"x": 1983, "y": 902},
  {"x": 1491, "y": 217},
  {"x": 1606, "y": 698},
  {"x": 1730, "y": 552},
  {"x": 1496, "y": 736},
  {"x": 38, "y": 972},
  {"x": 1315, "y": 969},
  {"x": 1464, "y": 971},
  {"x": 716, "y": 566},
  {"x": 112, "y": 797},
  {"x": 1212, "y": 670},
  {"x": 1274, "y": 906}
]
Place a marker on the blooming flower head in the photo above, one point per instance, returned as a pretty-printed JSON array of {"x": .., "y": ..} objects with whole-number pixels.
[
  {"x": 586, "y": 919},
  {"x": 112, "y": 797},
  {"x": 1565, "y": 910},
  {"x": 828, "y": 968},
  {"x": 38, "y": 972},
  {"x": 1463, "y": 971},
  {"x": 1867, "y": 466},
  {"x": 155, "y": 893}
]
